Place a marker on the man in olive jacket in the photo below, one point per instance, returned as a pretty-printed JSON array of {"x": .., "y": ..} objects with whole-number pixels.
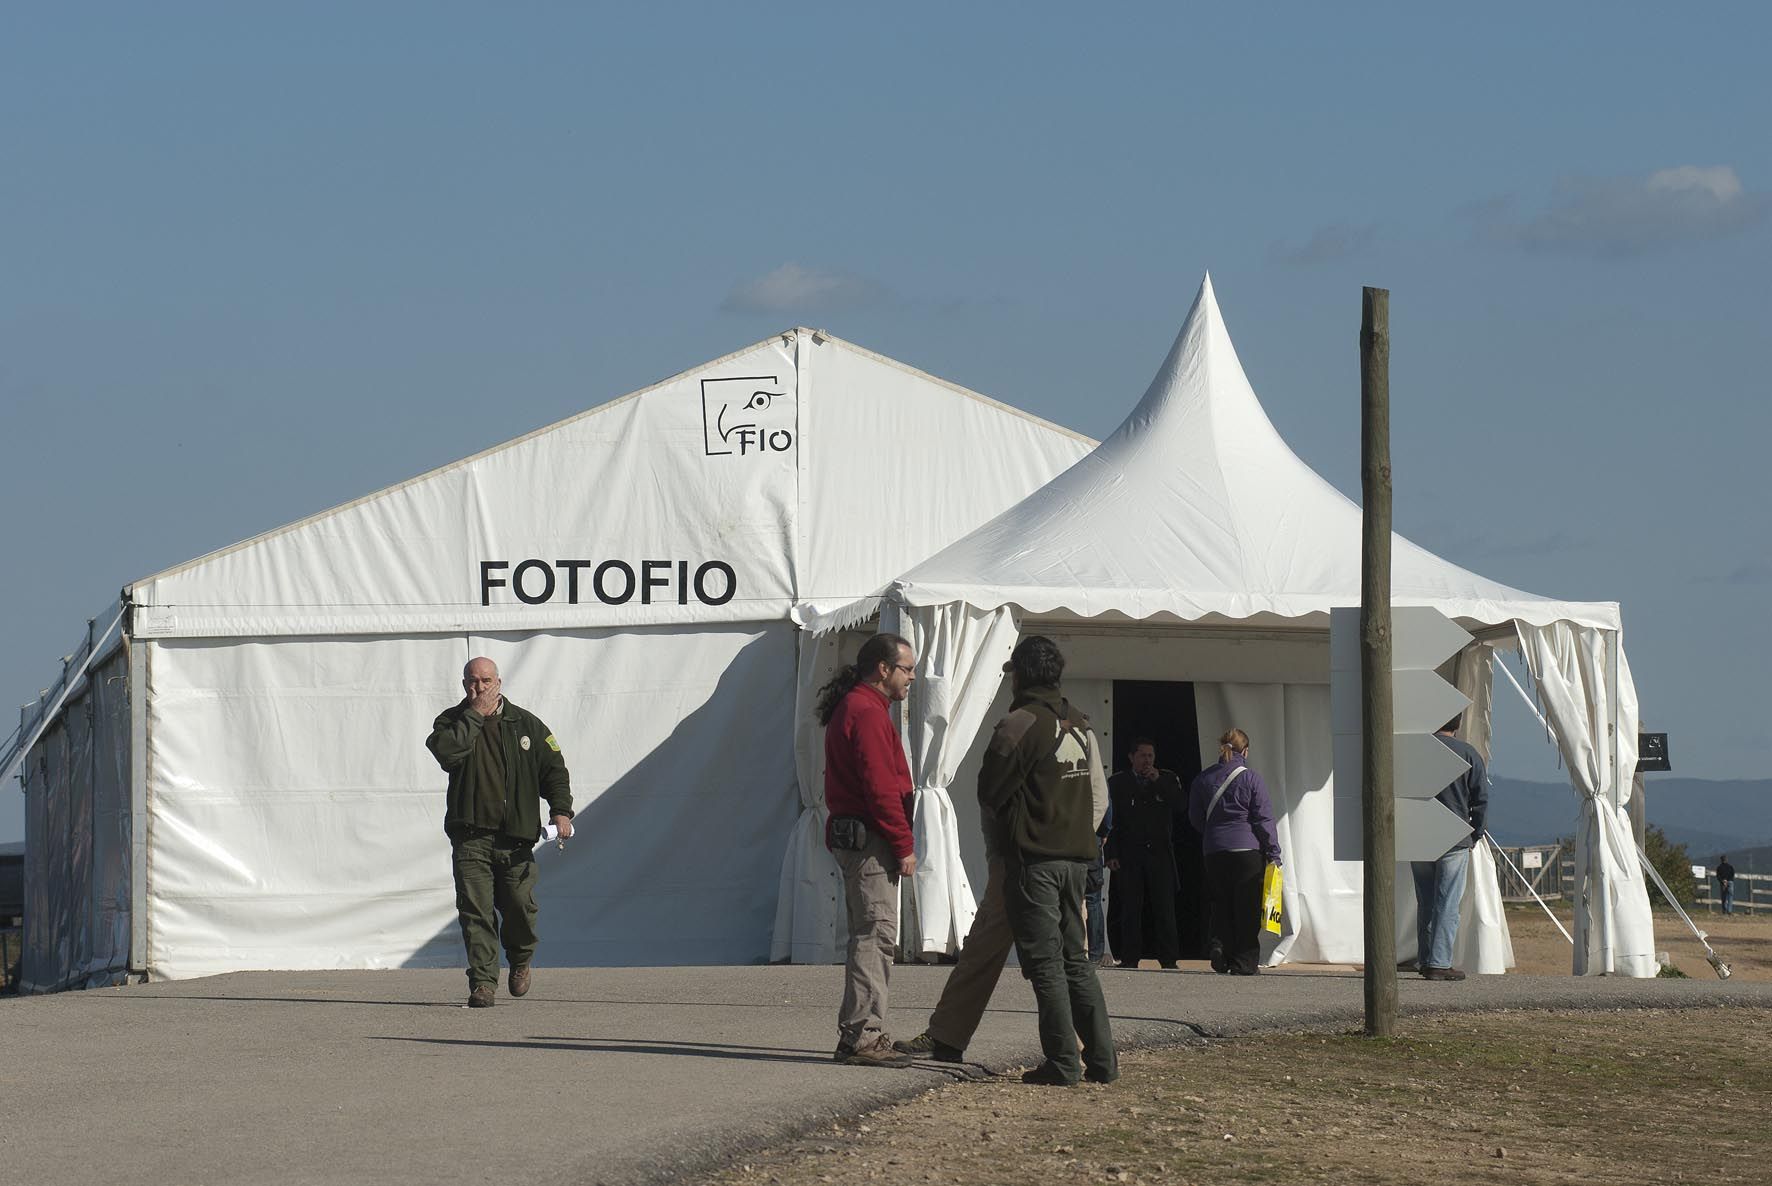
[
  {"x": 1034, "y": 788},
  {"x": 502, "y": 761}
]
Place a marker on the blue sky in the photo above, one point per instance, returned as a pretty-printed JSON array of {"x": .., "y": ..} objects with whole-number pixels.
[{"x": 262, "y": 260}]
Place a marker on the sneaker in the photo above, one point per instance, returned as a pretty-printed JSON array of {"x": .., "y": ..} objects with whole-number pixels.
[
  {"x": 844, "y": 1050},
  {"x": 878, "y": 1053},
  {"x": 924, "y": 1046},
  {"x": 1441, "y": 974},
  {"x": 482, "y": 996},
  {"x": 519, "y": 980},
  {"x": 1047, "y": 1075}
]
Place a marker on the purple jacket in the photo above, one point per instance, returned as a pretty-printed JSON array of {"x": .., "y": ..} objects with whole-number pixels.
[{"x": 1243, "y": 818}]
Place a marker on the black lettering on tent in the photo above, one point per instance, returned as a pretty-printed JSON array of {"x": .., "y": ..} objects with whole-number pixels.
[
  {"x": 602, "y": 593},
  {"x": 648, "y": 582},
  {"x": 701, "y": 587},
  {"x": 488, "y": 582},
  {"x": 547, "y": 589},
  {"x": 682, "y": 582},
  {"x": 572, "y": 567}
]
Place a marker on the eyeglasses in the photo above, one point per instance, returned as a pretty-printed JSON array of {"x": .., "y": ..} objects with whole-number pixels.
[{"x": 907, "y": 668}]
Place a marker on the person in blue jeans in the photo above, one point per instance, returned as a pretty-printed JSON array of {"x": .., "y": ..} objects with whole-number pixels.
[
  {"x": 1726, "y": 881},
  {"x": 1439, "y": 885},
  {"x": 1097, "y": 880}
]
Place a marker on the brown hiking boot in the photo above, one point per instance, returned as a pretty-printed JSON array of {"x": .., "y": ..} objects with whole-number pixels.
[
  {"x": 1441, "y": 974},
  {"x": 519, "y": 980},
  {"x": 482, "y": 996},
  {"x": 878, "y": 1053}
]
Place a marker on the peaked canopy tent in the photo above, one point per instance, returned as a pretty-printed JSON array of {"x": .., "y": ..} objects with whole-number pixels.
[
  {"x": 633, "y": 570},
  {"x": 1195, "y": 530}
]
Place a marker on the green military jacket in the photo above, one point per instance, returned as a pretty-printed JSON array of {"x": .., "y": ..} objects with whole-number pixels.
[
  {"x": 534, "y": 769},
  {"x": 1035, "y": 784}
]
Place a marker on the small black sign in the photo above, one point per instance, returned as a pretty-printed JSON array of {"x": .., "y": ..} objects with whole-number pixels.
[{"x": 1652, "y": 752}]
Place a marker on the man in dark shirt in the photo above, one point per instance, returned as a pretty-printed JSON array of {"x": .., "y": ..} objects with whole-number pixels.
[
  {"x": 1439, "y": 885},
  {"x": 502, "y": 763},
  {"x": 1036, "y": 786},
  {"x": 1726, "y": 880},
  {"x": 1140, "y": 852}
]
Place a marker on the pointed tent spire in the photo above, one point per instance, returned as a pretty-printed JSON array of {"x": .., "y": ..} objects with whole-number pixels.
[{"x": 1196, "y": 506}]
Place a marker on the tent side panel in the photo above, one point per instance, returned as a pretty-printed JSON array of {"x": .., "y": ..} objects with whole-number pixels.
[
  {"x": 296, "y": 817},
  {"x": 77, "y": 829}
]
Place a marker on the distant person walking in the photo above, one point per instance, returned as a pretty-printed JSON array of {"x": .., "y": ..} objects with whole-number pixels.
[
  {"x": 1726, "y": 880},
  {"x": 867, "y": 787},
  {"x": 502, "y": 763},
  {"x": 1228, "y": 805},
  {"x": 1439, "y": 885}
]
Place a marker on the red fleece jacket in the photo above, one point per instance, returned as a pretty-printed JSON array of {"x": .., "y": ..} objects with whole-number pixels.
[{"x": 865, "y": 772}]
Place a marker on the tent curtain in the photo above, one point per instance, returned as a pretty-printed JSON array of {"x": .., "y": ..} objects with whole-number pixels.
[
  {"x": 1484, "y": 944},
  {"x": 1287, "y": 724},
  {"x": 1614, "y": 930},
  {"x": 811, "y": 926},
  {"x": 960, "y": 655}
]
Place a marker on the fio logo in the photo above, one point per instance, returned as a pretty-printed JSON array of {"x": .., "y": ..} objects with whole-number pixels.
[{"x": 746, "y": 416}]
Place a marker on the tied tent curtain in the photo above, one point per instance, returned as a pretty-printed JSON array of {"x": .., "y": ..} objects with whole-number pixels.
[{"x": 960, "y": 655}]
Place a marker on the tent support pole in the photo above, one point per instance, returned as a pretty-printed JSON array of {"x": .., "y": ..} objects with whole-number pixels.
[{"x": 1377, "y": 806}]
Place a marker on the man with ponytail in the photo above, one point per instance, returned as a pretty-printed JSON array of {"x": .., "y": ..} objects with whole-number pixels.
[{"x": 867, "y": 787}]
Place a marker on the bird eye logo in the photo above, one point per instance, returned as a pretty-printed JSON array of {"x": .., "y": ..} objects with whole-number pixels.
[{"x": 746, "y": 416}]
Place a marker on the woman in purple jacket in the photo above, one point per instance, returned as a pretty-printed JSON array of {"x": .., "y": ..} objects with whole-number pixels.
[{"x": 1229, "y": 807}]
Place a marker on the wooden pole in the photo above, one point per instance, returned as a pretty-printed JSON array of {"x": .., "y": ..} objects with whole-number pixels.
[{"x": 1377, "y": 804}]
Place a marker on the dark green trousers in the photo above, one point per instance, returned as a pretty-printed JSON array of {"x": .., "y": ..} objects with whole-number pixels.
[
  {"x": 1044, "y": 901},
  {"x": 495, "y": 896}
]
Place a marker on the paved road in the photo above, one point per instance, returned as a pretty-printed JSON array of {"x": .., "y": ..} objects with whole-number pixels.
[{"x": 599, "y": 1076}]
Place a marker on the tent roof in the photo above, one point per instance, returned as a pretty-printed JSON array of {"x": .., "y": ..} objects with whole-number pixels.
[
  {"x": 1195, "y": 509},
  {"x": 726, "y": 493}
]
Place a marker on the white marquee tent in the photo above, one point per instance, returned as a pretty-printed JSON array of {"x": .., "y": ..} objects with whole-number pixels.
[
  {"x": 1193, "y": 545},
  {"x": 233, "y": 775}
]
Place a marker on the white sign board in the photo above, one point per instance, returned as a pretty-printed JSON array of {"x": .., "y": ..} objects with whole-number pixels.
[
  {"x": 1421, "y": 639},
  {"x": 1531, "y": 860},
  {"x": 1699, "y": 872}
]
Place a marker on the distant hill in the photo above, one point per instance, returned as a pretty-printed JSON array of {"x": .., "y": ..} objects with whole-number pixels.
[{"x": 1709, "y": 817}]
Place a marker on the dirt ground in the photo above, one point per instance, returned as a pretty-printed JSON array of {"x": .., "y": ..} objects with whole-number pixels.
[
  {"x": 1523, "y": 1097},
  {"x": 1743, "y": 941},
  {"x": 1520, "y": 1097}
]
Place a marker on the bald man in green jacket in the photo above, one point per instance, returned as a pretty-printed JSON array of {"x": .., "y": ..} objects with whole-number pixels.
[{"x": 502, "y": 762}]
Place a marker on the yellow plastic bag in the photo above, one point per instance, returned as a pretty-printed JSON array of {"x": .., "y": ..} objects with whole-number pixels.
[{"x": 1270, "y": 899}]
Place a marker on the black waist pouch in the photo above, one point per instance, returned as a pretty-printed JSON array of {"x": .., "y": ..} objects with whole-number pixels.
[{"x": 846, "y": 832}]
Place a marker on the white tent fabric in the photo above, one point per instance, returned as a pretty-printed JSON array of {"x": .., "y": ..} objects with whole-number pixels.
[
  {"x": 960, "y": 653},
  {"x": 1195, "y": 510},
  {"x": 811, "y": 925},
  {"x": 634, "y": 569},
  {"x": 731, "y": 492},
  {"x": 1614, "y": 929},
  {"x": 296, "y": 820},
  {"x": 1286, "y": 723}
]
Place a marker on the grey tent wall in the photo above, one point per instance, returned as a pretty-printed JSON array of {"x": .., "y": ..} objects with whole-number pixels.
[{"x": 78, "y": 834}]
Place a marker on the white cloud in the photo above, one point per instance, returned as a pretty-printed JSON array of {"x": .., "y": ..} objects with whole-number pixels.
[
  {"x": 1628, "y": 216},
  {"x": 796, "y": 288}
]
